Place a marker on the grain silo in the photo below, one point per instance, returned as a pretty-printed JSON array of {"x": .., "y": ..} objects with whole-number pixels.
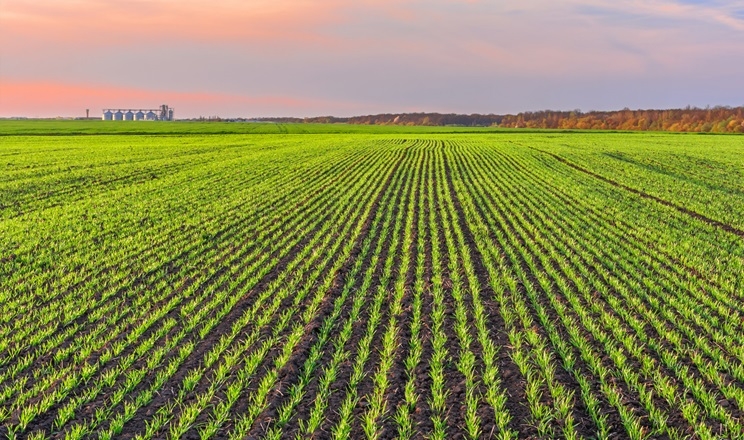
[{"x": 164, "y": 113}]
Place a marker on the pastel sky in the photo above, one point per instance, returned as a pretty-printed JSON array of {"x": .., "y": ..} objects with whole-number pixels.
[{"x": 331, "y": 57}]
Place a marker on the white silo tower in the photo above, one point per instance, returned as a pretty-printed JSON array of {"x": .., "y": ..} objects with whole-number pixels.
[
  {"x": 118, "y": 116},
  {"x": 151, "y": 116},
  {"x": 139, "y": 116},
  {"x": 107, "y": 115},
  {"x": 129, "y": 115}
]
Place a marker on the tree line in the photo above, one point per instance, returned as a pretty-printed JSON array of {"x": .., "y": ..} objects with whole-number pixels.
[{"x": 689, "y": 119}]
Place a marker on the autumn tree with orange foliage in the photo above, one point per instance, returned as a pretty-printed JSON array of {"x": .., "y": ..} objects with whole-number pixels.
[{"x": 689, "y": 119}]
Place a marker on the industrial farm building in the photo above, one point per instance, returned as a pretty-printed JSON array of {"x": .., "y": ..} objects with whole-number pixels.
[{"x": 164, "y": 113}]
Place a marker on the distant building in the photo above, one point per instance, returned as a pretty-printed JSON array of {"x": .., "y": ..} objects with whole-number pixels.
[{"x": 163, "y": 113}]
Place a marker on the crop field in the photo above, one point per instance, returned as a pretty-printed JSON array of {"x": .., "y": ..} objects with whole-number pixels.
[{"x": 378, "y": 285}]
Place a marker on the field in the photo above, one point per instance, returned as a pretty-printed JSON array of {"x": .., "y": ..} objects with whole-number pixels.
[{"x": 344, "y": 282}]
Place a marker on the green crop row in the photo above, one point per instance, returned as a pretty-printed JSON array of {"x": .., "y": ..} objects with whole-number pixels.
[{"x": 370, "y": 285}]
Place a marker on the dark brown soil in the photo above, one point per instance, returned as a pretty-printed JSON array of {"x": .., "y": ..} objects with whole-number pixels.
[{"x": 517, "y": 227}]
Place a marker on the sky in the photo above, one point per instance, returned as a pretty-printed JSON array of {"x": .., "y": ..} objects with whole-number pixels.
[{"x": 252, "y": 58}]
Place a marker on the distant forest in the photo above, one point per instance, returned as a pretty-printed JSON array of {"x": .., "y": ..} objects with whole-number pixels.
[{"x": 708, "y": 120}]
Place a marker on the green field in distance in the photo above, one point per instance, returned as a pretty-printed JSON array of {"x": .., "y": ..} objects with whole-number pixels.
[{"x": 204, "y": 280}]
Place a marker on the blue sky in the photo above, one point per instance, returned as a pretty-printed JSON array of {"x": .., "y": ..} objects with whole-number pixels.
[{"x": 306, "y": 58}]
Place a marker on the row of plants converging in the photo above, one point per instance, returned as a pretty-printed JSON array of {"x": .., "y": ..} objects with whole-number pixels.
[{"x": 360, "y": 286}]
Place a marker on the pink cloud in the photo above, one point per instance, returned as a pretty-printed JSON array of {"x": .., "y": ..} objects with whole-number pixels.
[
  {"x": 117, "y": 23},
  {"x": 380, "y": 54},
  {"x": 48, "y": 99}
]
